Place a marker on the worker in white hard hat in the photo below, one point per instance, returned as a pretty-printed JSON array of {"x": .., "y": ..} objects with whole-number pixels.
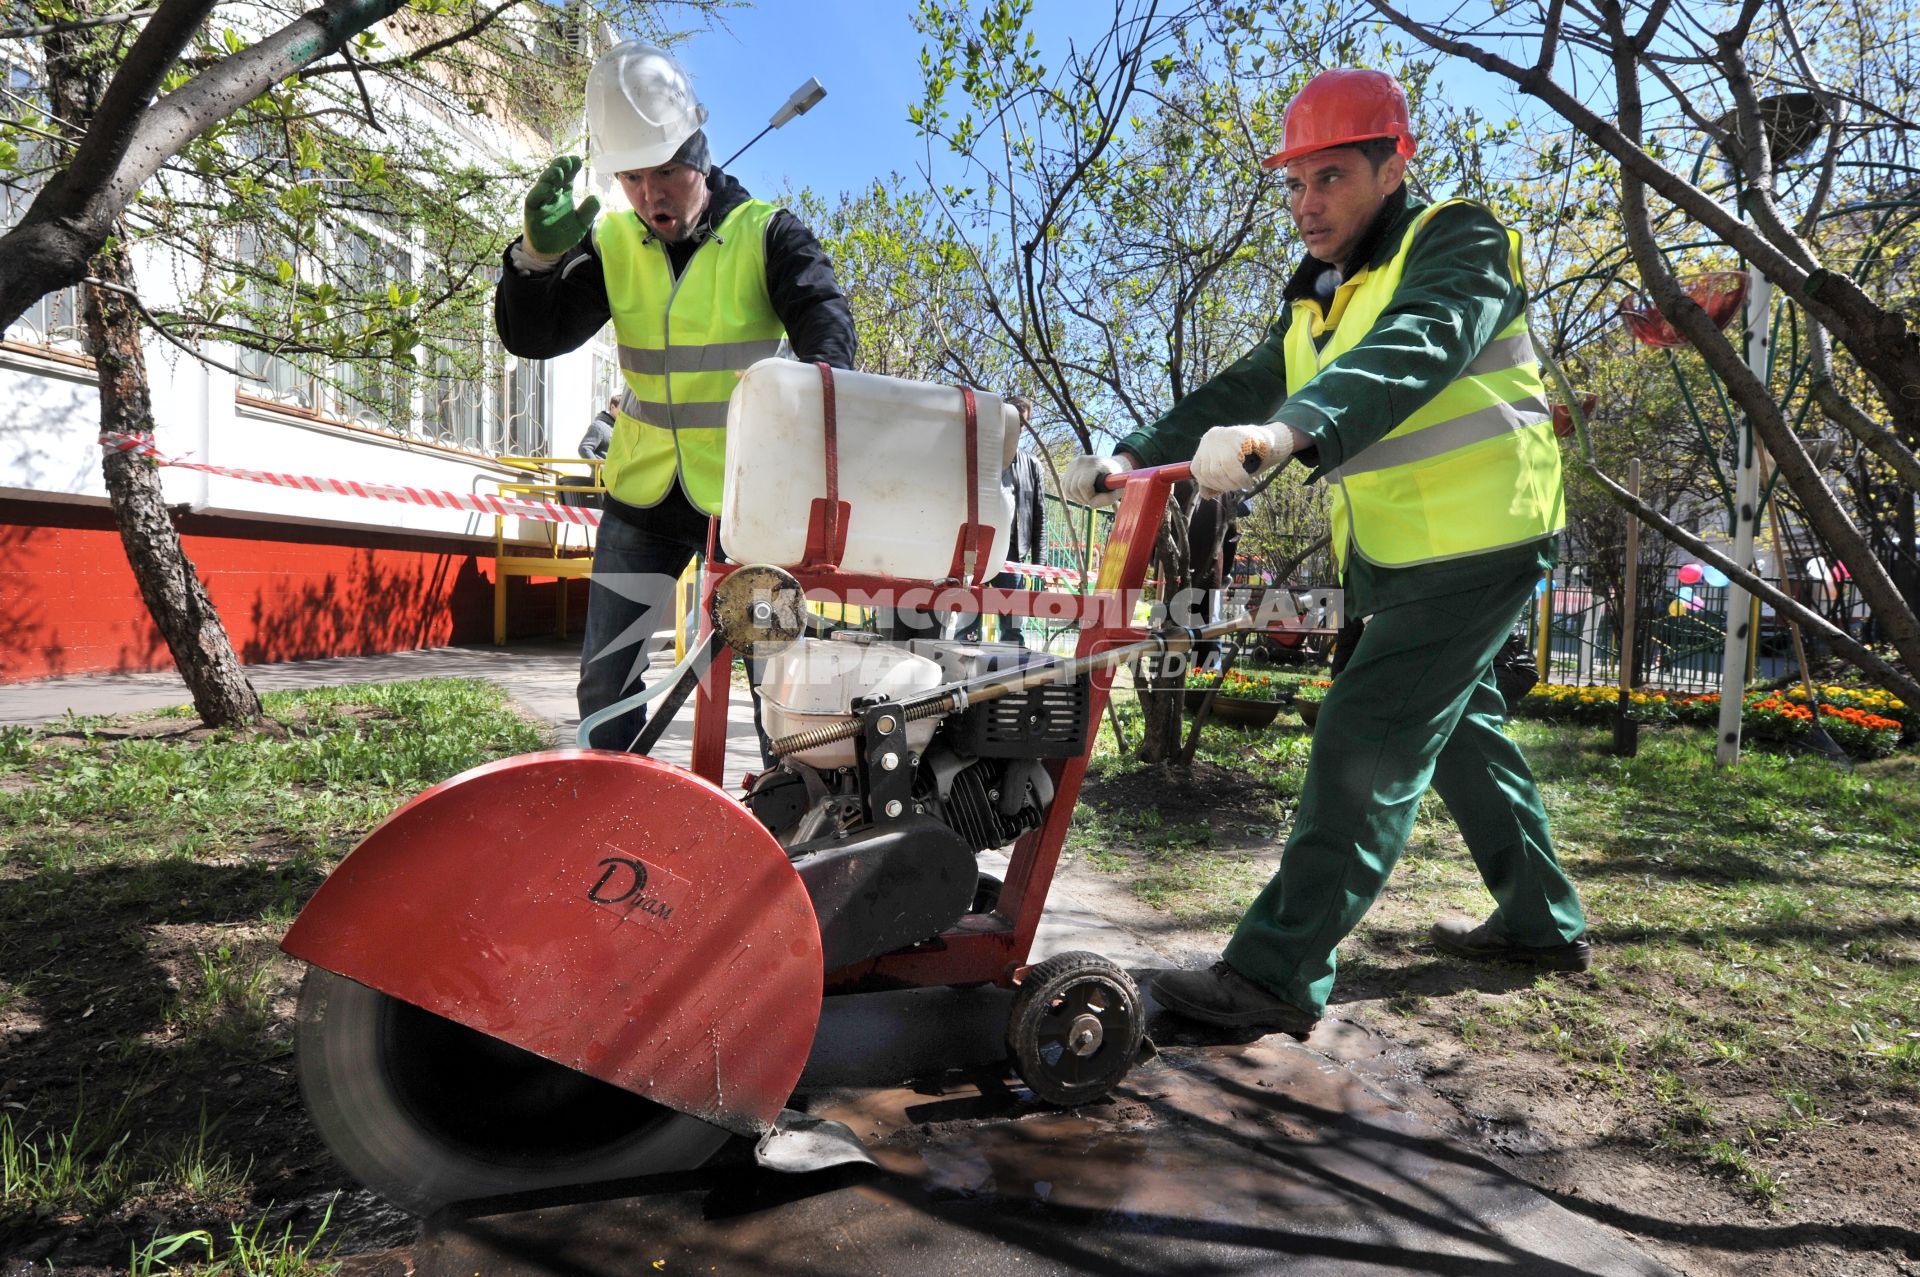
[
  {"x": 701, "y": 280},
  {"x": 1404, "y": 373}
]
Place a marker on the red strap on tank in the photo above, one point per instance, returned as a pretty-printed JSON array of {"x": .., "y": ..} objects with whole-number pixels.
[
  {"x": 975, "y": 542},
  {"x": 827, "y": 518}
]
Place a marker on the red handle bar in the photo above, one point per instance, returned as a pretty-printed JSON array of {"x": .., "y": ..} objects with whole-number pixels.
[{"x": 1174, "y": 473}]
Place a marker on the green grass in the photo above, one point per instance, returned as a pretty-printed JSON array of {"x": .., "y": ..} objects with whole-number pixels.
[
  {"x": 145, "y": 880},
  {"x": 92, "y": 1168},
  {"x": 1759, "y": 925},
  {"x": 250, "y": 1250},
  {"x": 83, "y": 1167},
  {"x": 226, "y": 1003},
  {"x": 1781, "y": 898},
  {"x": 1203, "y": 868}
]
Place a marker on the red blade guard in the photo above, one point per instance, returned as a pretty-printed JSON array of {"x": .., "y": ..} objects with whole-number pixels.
[{"x": 614, "y": 914}]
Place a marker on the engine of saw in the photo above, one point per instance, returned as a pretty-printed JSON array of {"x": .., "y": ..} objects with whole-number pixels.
[{"x": 885, "y": 832}]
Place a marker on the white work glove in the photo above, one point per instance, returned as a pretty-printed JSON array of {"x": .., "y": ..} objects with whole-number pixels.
[
  {"x": 1081, "y": 473},
  {"x": 1220, "y": 464}
]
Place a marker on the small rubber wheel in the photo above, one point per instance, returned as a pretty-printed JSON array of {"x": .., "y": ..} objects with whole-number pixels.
[
  {"x": 1075, "y": 1028},
  {"x": 986, "y": 893}
]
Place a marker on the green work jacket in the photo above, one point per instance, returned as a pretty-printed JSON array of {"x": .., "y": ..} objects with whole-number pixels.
[
  {"x": 1473, "y": 469},
  {"x": 1458, "y": 290}
]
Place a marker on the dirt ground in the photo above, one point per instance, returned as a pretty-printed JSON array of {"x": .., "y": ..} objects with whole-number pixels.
[
  {"x": 103, "y": 999},
  {"x": 1850, "y": 1183}
]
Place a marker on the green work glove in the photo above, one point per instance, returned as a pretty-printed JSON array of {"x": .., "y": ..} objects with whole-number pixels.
[{"x": 553, "y": 224}]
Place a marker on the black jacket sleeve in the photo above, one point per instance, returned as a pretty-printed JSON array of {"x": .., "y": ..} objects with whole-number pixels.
[
  {"x": 542, "y": 315},
  {"x": 805, "y": 294},
  {"x": 539, "y": 316},
  {"x": 1030, "y": 497}
]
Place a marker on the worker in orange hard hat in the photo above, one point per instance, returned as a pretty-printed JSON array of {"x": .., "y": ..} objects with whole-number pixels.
[
  {"x": 1403, "y": 373},
  {"x": 1346, "y": 107}
]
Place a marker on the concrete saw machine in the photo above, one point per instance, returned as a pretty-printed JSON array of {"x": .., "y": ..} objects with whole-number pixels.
[{"x": 584, "y": 964}]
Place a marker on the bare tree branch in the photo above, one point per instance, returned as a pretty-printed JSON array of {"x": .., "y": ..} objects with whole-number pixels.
[
  {"x": 366, "y": 99},
  {"x": 1756, "y": 165},
  {"x": 1829, "y": 162},
  {"x": 1880, "y": 340},
  {"x": 76, "y": 24},
  {"x": 1846, "y": 414},
  {"x": 420, "y": 54},
  {"x": 133, "y": 296},
  {"x": 1550, "y": 37}
]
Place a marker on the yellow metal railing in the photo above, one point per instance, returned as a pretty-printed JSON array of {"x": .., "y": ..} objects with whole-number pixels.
[{"x": 567, "y": 549}]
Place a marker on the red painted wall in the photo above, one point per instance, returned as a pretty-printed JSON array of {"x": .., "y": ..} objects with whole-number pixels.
[{"x": 69, "y": 605}]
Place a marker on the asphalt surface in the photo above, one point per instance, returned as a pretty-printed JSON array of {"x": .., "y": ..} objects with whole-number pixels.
[{"x": 1215, "y": 1158}]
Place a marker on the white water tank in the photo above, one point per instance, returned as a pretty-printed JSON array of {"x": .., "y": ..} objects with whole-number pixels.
[{"x": 902, "y": 468}]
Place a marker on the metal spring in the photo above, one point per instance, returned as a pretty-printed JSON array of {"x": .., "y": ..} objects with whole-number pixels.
[{"x": 828, "y": 733}]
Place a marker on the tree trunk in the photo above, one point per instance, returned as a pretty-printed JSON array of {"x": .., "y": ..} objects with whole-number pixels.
[
  {"x": 172, "y": 590},
  {"x": 1905, "y": 568},
  {"x": 178, "y": 603},
  {"x": 1162, "y": 696}
]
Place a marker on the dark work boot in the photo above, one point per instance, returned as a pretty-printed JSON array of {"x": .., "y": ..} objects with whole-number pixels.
[
  {"x": 1222, "y": 996},
  {"x": 1465, "y": 938}
]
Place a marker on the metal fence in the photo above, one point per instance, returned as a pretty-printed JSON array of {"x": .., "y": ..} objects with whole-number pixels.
[{"x": 1681, "y": 627}]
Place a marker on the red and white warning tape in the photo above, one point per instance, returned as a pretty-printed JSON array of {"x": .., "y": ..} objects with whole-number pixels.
[
  {"x": 440, "y": 499},
  {"x": 480, "y": 502},
  {"x": 1045, "y": 571}
]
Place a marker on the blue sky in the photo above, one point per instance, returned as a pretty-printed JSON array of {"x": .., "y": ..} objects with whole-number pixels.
[{"x": 866, "y": 53}]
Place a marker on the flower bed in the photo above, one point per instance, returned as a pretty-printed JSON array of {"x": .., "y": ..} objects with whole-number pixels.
[
  {"x": 1869, "y": 700},
  {"x": 1313, "y": 689},
  {"x": 1248, "y": 698},
  {"x": 1246, "y": 685},
  {"x": 1767, "y": 716}
]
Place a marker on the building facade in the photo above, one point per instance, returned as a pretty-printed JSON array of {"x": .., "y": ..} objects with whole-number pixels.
[{"x": 294, "y": 574}]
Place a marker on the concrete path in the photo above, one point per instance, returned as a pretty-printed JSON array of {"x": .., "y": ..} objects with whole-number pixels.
[{"x": 1218, "y": 1157}]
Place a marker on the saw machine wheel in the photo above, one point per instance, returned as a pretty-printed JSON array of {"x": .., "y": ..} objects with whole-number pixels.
[
  {"x": 425, "y": 1112},
  {"x": 1075, "y": 1028}
]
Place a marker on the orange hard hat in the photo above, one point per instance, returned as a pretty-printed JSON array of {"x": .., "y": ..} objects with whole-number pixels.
[{"x": 1343, "y": 106}]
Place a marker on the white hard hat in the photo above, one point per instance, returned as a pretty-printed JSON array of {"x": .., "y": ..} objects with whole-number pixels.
[{"x": 640, "y": 107}]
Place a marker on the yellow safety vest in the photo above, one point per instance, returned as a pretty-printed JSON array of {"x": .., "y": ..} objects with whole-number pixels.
[
  {"x": 683, "y": 344},
  {"x": 1475, "y": 469}
]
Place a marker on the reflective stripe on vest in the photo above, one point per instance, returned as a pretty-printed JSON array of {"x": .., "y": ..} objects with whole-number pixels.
[
  {"x": 1474, "y": 469},
  {"x": 683, "y": 344}
]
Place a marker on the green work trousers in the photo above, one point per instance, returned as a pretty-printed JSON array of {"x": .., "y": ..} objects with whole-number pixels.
[{"x": 1416, "y": 705}]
